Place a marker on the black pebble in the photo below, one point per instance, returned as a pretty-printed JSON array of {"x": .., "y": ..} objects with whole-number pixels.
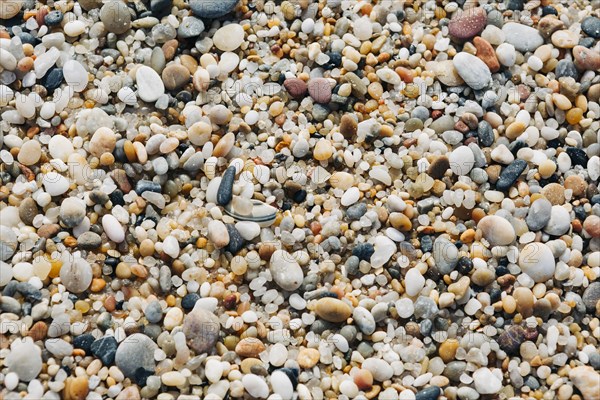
[
  {"x": 189, "y": 301},
  {"x": 591, "y": 27},
  {"x": 515, "y": 5},
  {"x": 464, "y": 265},
  {"x": 117, "y": 198},
  {"x": 236, "y": 241},
  {"x": 510, "y": 174},
  {"x": 363, "y": 251},
  {"x": 53, "y": 79},
  {"x": 292, "y": 374},
  {"x": 300, "y": 196},
  {"x": 430, "y": 393},
  {"x": 549, "y": 10},
  {"x": 578, "y": 156},
  {"x": 225, "y": 192},
  {"x": 84, "y": 342},
  {"x": 105, "y": 349},
  {"x": 144, "y": 185}
]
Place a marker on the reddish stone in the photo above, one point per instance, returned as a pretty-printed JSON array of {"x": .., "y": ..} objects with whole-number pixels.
[
  {"x": 486, "y": 53},
  {"x": 586, "y": 59},
  {"x": 468, "y": 23},
  {"x": 320, "y": 90},
  {"x": 296, "y": 87}
]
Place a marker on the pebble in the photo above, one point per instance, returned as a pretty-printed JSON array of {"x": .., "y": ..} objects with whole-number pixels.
[
  {"x": 190, "y": 27},
  {"x": 472, "y": 70},
  {"x": 225, "y": 192},
  {"x": 115, "y": 16},
  {"x": 320, "y": 90},
  {"x": 72, "y": 212},
  {"x": 297, "y": 88},
  {"x": 539, "y": 214},
  {"x": 537, "y": 261},
  {"x": 510, "y": 174},
  {"x": 211, "y": 9},
  {"x": 486, "y": 382},
  {"x": 560, "y": 221},
  {"x": 105, "y": 349},
  {"x": 285, "y": 270},
  {"x": 25, "y": 360},
  {"x": 591, "y": 296},
  {"x": 332, "y": 310},
  {"x": 113, "y": 228},
  {"x": 524, "y": 38},
  {"x": 201, "y": 328},
  {"x": 30, "y": 153},
  {"x": 218, "y": 234},
  {"x": 149, "y": 84},
  {"x": 136, "y": 353},
  {"x": 461, "y": 160},
  {"x": 591, "y": 26},
  {"x": 586, "y": 380},
  {"x": 467, "y": 24},
  {"x": 229, "y": 37},
  {"x": 76, "y": 275},
  {"x": 175, "y": 76}
]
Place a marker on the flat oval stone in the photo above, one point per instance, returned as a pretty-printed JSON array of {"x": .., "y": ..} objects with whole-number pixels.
[
  {"x": 285, "y": 270},
  {"x": 115, "y": 16},
  {"x": 465, "y": 25},
  {"x": 510, "y": 174},
  {"x": 149, "y": 84},
  {"x": 539, "y": 214},
  {"x": 523, "y": 37},
  {"x": 76, "y": 276},
  {"x": 225, "y": 192},
  {"x": 537, "y": 261},
  {"x": 229, "y": 37},
  {"x": 174, "y": 76},
  {"x": 212, "y": 9},
  {"x": 472, "y": 70},
  {"x": 497, "y": 230},
  {"x": 332, "y": 310}
]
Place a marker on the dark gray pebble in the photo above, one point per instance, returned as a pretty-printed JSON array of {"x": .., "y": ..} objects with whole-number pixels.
[
  {"x": 105, "y": 349},
  {"x": 225, "y": 192},
  {"x": 356, "y": 211},
  {"x": 510, "y": 174},
  {"x": 591, "y": 27},
  {"x": 143, "y": 185},
  {"x": 485, "y": 134},
  {"x": 430, "y": 393},
  {"x": 212, "y": 8},
  {"x": 236, "y": 241}
]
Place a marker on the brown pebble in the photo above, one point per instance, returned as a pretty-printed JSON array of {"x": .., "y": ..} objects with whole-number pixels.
[
  {"x": 486, "y": 53},
  {"x": 297, "y": 88},
  {"x": 332, "y": 310},
  {"x": 448, "y": 350},
  {"x": 169, "y": 48},
  {"x": 48, "y": 230},
  {"x": 363, "y": 379},
  {"x": 586, "y": 59},
  {"x": 76, "y": 388},
  {"x": 348, "y": 126},
  {"x": 577, "y": 184},
  {"x": 249, "y": 347},
  {"x": 438, "y": 167},
  {"x": 524, "y": 299},
  {"x": 555, "y": 193},
  {"x": 38, "y": 331}
]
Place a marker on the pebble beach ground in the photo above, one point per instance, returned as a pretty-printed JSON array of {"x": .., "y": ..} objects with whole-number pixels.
[{"x": 392, "y": 200}]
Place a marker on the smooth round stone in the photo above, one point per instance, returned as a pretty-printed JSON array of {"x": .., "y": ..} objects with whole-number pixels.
[
  {"x": 30, "y": 152},
  {"x": 320, "y": 90},
  {"x": 255, "y": 386},
  {"x": 591, "y": 26},
  {"x": 174, "y": 76},
  {"x": 134, "y": 353},
  {"x": 60, "y": 147},
  {"x": 75, "y": 75},
  {"x": 497, "y": 230},
  {"x": 28, "y": 210},
  {"x": 332, "y": 310},
  {"x": 149, "y": 84},
  {"x": 89, "y": 241},
  {"x": 297, "y": 88},
  {"x": 524, "y": 38},
  {"x": 103, "y": 141},
  {"x": 53, "y": 18},
  {"x": 113, "y": 229},
  {"x": 472, "y": 70},
  {"x": 467, "y": 24},
  {"x": 190, "y": 27},
  {"x": 461, "y": 160},
  {"x": 379, "y": 368},
  {"x": 218, "y": 234},
  {"x": 229, "y": 37},
  {"x": 539, "y": 214},
  {"x": 76, "y": 276},
  {"x": 55, "y": 184},
  {"x": 592, "y": 225},
  {"x": 115, "y": 16},
  {"x": 565, "y": 39},
  {"x": 25, "y": 360},
  {"x": 282, "y": 385},
  {"x": 591, "y": 296},
  {"x": 212, "y": 9},
  {"x": 506, "y": 54},
  {"x": 201, "y": 328},
  {"x": 560, "y": 221},
  {"x": 537, "y": 261},
  {"x": 285, "y": 270},
  {"x": 72, "y": 212},
  {"x": 586, "y": 59}
]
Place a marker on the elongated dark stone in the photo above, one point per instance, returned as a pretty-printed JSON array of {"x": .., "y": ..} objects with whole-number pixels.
[
  {"x": 225, "y": 192},
  {"x": 510, "y": 174}
]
